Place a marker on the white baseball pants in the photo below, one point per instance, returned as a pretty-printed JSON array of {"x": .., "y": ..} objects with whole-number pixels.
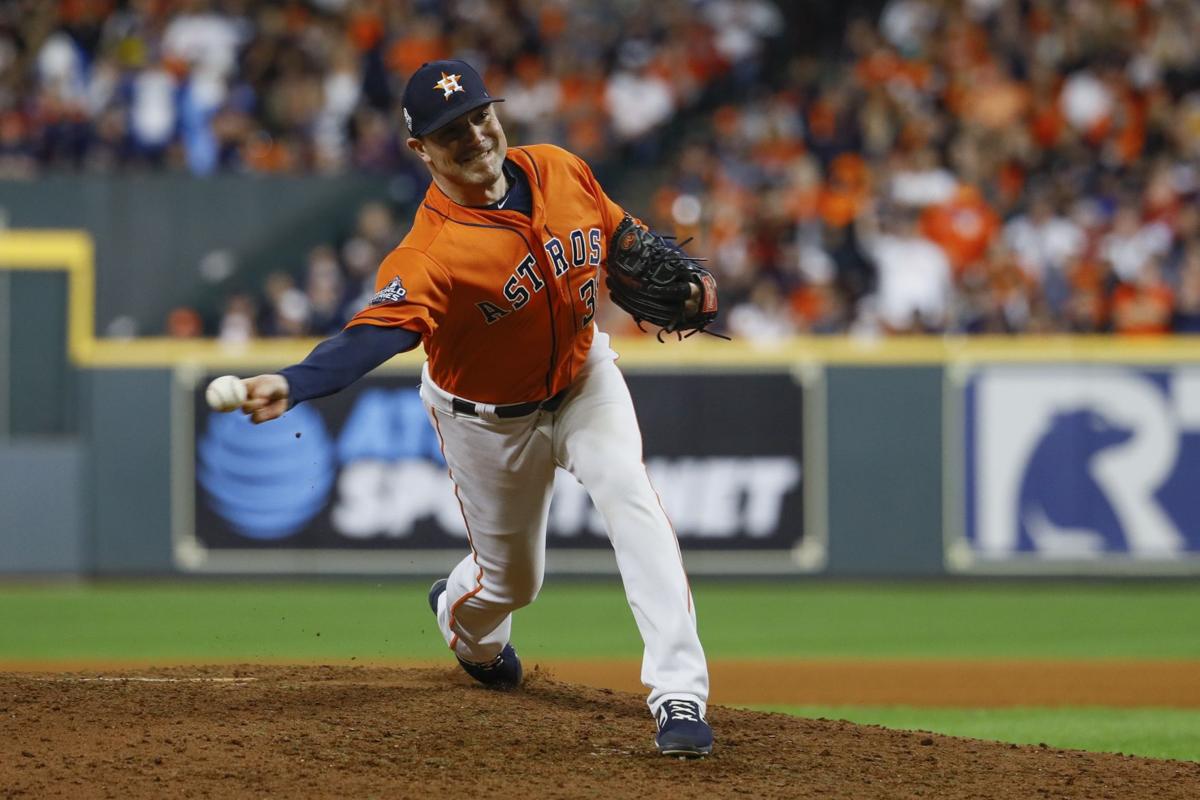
[{"x": 503, "y": 473}]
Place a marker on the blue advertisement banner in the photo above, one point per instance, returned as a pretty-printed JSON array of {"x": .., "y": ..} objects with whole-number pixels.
[
  {"x": 362, "y": 471},
  {"x": 1081, "y": 465}
]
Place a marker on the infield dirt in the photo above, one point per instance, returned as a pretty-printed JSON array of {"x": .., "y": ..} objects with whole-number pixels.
[{"x": 259, "y": 731}]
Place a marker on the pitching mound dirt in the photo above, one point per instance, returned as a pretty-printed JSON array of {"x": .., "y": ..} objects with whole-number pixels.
[{"x": 255, "y": 731}]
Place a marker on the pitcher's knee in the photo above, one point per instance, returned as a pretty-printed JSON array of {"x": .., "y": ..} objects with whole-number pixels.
[
  {"x": 522, "y": 596},
  {"x": 520, "y": 588}
]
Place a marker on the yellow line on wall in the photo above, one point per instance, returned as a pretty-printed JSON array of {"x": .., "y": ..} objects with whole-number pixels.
[
  {"x": 73, "y": 252},
  {"x": 67, "y": 251}
]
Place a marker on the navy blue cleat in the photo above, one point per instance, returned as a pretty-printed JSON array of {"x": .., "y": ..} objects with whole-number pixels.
[
  {"x": 682, "y": 730},
  {"x": 436, "y": 591},
  {"x": 503, "y": 672}
]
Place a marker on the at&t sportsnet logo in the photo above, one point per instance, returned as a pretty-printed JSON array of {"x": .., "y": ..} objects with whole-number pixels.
[
  {"x": 393, "y": 477},
  {"x": 379, "y": 476},
  {"x": 266, "y": 481}
]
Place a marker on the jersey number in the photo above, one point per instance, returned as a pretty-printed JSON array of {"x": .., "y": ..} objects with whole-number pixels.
[{"x": 587, "y": 293}]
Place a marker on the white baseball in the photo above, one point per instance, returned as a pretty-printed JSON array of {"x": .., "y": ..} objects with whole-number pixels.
[{"x": 225, "y": 393}]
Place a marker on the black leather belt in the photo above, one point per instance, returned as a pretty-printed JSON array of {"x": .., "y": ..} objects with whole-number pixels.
[{"x": 515, "y": 410}]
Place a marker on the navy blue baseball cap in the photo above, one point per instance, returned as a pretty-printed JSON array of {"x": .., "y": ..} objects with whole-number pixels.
[{"x": 440, "y": 91}]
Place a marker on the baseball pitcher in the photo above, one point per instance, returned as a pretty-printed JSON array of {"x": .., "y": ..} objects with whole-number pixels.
[{"x": 498, "y": 281}]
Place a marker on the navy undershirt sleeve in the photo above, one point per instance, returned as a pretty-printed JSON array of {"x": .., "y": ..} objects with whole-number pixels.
[{"x": 340, "y": 360}]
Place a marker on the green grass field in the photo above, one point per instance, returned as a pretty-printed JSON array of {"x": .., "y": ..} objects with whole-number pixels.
[
  {"x": 373, "y": 620},
  {"x": 202, "y": 621},
  {"x": 1154, "y": 732}
]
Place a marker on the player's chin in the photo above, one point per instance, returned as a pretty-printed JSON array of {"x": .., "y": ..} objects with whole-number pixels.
[{"x": 482, "y": 172}]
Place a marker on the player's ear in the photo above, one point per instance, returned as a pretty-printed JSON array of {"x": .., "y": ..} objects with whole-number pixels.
[{"x": 418, "y": 147}]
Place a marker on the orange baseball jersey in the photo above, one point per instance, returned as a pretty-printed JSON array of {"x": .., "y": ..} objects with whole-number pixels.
[{"x": 503, "y": 302}]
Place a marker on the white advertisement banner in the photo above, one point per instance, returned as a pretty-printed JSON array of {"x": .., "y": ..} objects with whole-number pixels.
[{"x": 1080, "y": 466}]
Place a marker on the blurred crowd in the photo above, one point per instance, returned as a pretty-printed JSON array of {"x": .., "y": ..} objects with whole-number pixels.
[
  {"x": 988, "y": 166},
  {"x": 335, "y": 282},
  {"x": 303, "y": 86},
  {"x": 973, "y": 166}
]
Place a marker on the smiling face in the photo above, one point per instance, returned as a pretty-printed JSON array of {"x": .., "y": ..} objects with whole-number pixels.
[{"x": 466, "y": 157}]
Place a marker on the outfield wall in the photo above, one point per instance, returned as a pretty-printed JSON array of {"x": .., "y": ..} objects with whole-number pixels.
[
  {"x": 900, "y": 457},
  {"x": 167, "y": 240},
  {"x": 855, "y": 471}
]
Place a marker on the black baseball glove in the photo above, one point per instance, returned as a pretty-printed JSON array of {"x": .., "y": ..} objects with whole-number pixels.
[{"x": 651, "y": 278}]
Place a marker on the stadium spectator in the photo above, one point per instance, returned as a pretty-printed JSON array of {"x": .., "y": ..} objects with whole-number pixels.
[
  {"x": 1187, "y": 309},
  {"x": 1145, "y": 303},
  {"x": 184, "y": 322},
  {"x": 238, "y": 322},
  {"x": 914, "y": 292}
]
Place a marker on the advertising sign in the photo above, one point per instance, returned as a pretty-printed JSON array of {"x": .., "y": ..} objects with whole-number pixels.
[
  {"x": 1080, "y": 466},
  {"x": 357, "y": 481}
]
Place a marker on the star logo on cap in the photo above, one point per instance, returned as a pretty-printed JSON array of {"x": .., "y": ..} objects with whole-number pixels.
[{"x": 449, "y": 84}]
